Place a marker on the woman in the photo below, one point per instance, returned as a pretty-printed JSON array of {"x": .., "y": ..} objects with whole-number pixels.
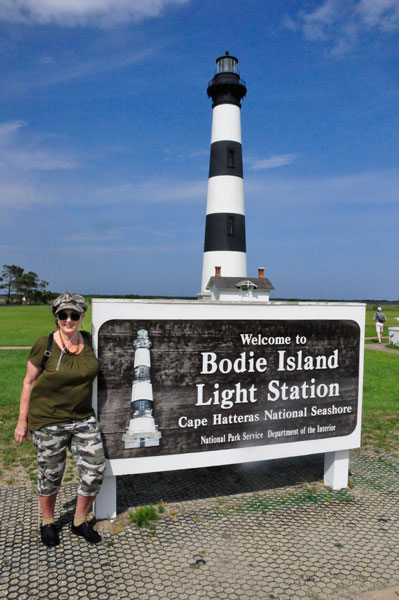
[{"x": 56, "y": 408}]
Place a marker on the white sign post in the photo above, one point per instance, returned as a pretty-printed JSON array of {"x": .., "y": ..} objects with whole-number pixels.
[{"x": 186, "y": 384}]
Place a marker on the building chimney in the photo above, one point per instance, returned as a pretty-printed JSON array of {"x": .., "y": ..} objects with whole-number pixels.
[
  {"x": 218, "y": 271},
  {"x": 261, "y": 272}
]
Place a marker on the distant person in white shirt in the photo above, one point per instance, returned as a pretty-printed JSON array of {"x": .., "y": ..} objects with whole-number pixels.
[{"x": 379, "y": 319}]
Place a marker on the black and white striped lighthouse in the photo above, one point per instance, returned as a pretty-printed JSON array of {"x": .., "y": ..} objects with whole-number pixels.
[{"x": 225, "y": 245}]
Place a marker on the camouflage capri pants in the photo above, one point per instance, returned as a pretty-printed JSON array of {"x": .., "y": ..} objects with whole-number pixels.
[{"x": 84, "y": 440}]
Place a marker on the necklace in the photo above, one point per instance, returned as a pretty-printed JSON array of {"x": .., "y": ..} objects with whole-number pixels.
[{"x": 65, "y": 348}]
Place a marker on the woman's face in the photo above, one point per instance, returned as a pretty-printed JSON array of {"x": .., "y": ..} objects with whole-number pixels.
[{"x": 69, "y": 320}]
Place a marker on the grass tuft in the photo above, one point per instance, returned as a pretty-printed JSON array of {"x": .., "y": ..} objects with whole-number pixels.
[{"x": 144, "y": 515}]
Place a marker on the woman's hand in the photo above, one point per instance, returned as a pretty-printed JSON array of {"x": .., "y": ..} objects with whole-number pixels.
[{"x": 21, "y": 432}]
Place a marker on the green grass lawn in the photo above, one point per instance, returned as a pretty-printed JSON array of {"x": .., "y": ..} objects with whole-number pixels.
[
  {"x": 12, "y": 369},
  {"x": 22, "y": 325},
  {"x": 380, "y": 424}
]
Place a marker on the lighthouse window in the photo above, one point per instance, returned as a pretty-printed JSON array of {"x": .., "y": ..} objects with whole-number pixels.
[
  {"x": 230, "y": 225},
  {"x": 227, "y": 64},
  {"x": 230, "y": 158}
]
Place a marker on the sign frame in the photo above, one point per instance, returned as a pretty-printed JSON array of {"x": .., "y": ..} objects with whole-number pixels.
[{"x": 335, "y": 448}]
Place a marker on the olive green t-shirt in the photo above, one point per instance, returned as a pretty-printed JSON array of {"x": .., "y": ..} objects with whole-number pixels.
[{"x": 65, "y": 395}]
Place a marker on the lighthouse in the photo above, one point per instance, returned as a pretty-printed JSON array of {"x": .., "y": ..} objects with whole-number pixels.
[
  {"x": 225, "y": 245},
  {"x": 142, "y": 431}
]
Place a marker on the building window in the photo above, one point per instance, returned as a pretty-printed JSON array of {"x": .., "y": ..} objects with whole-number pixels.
[
  {"x": 230, "y": 158},
  {"x": 230, "y": 226}
]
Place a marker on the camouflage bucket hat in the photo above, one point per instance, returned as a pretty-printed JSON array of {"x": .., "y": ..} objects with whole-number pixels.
[{"x": 67, "y": 300}]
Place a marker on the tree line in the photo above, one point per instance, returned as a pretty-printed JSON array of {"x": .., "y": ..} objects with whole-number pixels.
[{"x": 24, "y": 286}]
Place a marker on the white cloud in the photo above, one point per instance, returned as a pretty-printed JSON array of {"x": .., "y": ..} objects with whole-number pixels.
[
  {"x": 18, "y": 195},
  {"x": 9, "y": 129},
  {"x": 19, "y": 154},
  {"x": 25, "y": 158},
  {"x": 316, "y": 24},
  {"x": 39, "y": 160},
  {"x": 379, "y": 14},
  {"x": 342, "y": 22},
  {"x": 151, "y": 192},
  {"x": 90, "y": 237},
  {"x": 370, "y": 190},
  {"x": 101, "y": 13},
  {"x": 121, "y": 248},
  {"x": 273, "y": 162},
  {"x": 71, "y": 67},
  {"x": 84, "y": 69}
]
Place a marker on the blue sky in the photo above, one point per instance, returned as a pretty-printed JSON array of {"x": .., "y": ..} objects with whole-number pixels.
[{"x": 105, "y": 130}]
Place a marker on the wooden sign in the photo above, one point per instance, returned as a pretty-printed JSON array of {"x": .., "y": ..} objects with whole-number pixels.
[{"x": 190, "y": 378}]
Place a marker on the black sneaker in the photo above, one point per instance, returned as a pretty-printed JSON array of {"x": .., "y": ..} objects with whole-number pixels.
[
  {"x": 86, "y": 531},
  {"x": 49, "y": 535}
]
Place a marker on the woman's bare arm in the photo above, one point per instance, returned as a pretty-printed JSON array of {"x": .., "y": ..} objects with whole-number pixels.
[{"x": 32, "y": 375}]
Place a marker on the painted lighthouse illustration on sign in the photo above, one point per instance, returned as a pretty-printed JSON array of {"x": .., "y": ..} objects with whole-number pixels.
[
  {"x": 142, "y": 431},
  {"x": 225, "y": 245}
]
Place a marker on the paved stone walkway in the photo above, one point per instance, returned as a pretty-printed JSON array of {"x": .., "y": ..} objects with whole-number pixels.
[
  {"x": 267, "y": 531},
  {"x": 388, "y": 593},
  {"x": 381, "y": 348},
  {"x": 15, "y": 347}
]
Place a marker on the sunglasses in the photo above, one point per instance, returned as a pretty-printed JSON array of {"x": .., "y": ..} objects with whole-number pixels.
[{"x": 63, "y": 316}]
